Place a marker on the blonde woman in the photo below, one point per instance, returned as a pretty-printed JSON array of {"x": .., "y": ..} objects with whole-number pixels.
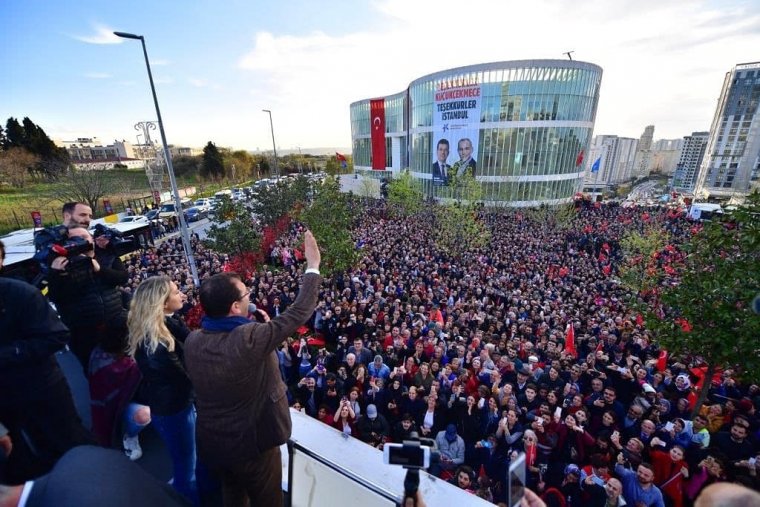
[{"x": 156, "y": 340}]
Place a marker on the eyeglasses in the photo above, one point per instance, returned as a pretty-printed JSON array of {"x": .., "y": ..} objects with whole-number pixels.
[{"x": 245, "y": 294}]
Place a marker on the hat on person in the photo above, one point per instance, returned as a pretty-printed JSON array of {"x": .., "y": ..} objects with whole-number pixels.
[
  {"x": 371, "y": 411},
  {"x": 648, "y": 388},
  {"x": 745, "y": 405},
  {"x": 524, "y": 371},
  {"x": 572, "y": 468},
  {"x": 451, "y": 433},
  {"x": 533, "y": 359}
]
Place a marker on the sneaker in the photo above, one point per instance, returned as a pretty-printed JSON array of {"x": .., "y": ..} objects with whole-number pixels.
[{"x": 132, "y": 447}]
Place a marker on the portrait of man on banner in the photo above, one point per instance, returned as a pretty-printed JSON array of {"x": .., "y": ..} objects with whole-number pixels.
[
  {"x": 466, "y": 162},
  {"x": 441, "y": 166}
]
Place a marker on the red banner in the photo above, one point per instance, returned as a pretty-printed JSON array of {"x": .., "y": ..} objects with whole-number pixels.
[
  {"x": 37, "y": 219},
  {"x": 377, "y": 117}
]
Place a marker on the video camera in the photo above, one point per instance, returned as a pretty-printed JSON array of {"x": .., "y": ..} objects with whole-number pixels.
[
  {"x": 106, "y": 232},
  {"x": 53, "y": 242}
]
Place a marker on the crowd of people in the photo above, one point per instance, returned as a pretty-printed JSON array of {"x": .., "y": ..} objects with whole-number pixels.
[{"x": 471, "y": 350}]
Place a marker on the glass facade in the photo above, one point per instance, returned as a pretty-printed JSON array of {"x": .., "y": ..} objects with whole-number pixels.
[{"x": 535, "y": 119}]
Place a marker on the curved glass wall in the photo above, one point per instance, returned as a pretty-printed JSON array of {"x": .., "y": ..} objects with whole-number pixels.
[{"x": 533, "y": 119}]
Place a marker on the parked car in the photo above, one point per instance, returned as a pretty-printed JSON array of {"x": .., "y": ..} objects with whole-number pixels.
[
  {"x": 196, "y": 213},
  {"x": 204, "y": 203},
  {"x": 152, "y": 215},
  {"x": 168, "y": 209},
  {"x": 135, "y": 219}
]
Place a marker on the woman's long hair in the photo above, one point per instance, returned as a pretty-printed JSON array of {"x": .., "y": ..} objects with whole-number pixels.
[{"x": 146, "y": 315}]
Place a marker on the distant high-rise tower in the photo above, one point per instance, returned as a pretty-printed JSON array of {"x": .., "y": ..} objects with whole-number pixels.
[
  {"x": 616, "y": 157},
  {"x": 687, "y": 169},
  {"x": 731, "y": 164},
  {"x": 641, "y": 165}
]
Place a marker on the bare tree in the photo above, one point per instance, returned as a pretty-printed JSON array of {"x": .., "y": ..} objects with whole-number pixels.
[{"x": 88, "y": 184}]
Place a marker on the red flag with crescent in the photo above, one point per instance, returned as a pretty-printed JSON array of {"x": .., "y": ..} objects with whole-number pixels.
[{"x": 377, "y": 129}]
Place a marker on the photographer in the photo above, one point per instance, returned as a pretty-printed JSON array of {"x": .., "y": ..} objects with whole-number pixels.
[
  {"x": 85, "y": 293},
  {"x": 36, "y": 404}
]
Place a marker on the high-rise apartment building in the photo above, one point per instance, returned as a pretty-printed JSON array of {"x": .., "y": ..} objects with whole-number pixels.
[
  {"x": 731, "y": 163},
  {"x": 641, "y": 164},
  {"x": 692, "y": 153},
  {"x": 616, "y": 159}
]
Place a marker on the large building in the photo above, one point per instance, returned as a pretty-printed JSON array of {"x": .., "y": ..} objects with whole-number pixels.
[
  {"x": 85, "y": 149},
  {"x": 687, "y": 169},
  {"x": 616, "y": 156},
  {"x": 643, "y": 160},
  {"x": 731, "y": 164},
  {"x": 522, "y": 127},
  {"x": 665, "y": 154}
]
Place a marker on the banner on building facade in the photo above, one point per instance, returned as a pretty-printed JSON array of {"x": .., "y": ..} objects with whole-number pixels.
[
  {"x": 456, "y": 125},
  {"x": 377, "y": 128}
]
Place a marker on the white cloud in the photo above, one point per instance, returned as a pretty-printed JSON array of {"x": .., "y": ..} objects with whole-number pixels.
[
  {"x": 102, "y": 35},
  {"x": 657, "y": 57},
  {"x": 97, "y": 75},
  {"x": 198, "y": 83}
]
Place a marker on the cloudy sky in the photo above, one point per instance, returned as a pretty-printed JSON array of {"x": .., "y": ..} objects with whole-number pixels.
[{"x": 218, "y": 63}]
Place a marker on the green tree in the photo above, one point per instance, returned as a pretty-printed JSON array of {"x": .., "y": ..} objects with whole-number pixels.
[
  {"x": 330, "y": 218},
  {"x": 244, "y": 163},
  {"x": 702, "y": 307},
  {"x": 369, "y": 188},
  {"x": 458, "y": 223},
  {"x": 272, "y": 202},
  {"x": 234, "y": 230},
  {"x": 51, "y": 160},
  {"x": 186, "y": 165},
  {"x": 212, "y": 166},
  {"x": 405, "y": 195}
]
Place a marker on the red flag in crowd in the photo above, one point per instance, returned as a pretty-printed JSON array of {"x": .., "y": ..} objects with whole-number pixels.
[
  {"x": 607, "y": 269},
  {"x": 662, "y": 360},
  {"x": 341, "y": 158},
  {"x": 570, "y": 340},
  {"x": 685, "y": 324},
  {"x": 563, "y": 271},
  {"x": 602, "y": 257},
  {"x": 639, "y": 320}
]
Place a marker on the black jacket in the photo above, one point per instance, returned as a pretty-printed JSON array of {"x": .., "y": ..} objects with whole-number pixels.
[
  {"x": 85, "y": 298},
  {"x": 30, "y": 334},
  {"x": 165, "y": 387}
]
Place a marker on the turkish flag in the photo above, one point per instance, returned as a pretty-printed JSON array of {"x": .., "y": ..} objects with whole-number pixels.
[
  {"x": 570, "y": 340},
  {"x": 662, "y": 360},
  {"x": 377, "y": 128},
  {"x": 579, "y": 159}
]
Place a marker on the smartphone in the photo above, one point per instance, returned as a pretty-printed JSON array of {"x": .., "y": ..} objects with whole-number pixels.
[
  {"x": 669, "y": 426},
  {"x": 408, "y": 456},
  {"x": 516, "y": 480},
  {"x": 597, "y": 480},
  {"x": 558, "y": 412}
]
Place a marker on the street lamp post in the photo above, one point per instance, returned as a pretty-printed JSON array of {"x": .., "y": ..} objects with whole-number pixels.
[
  {"x": 184, "y": 232},
  {"x": 274, "y": 146}
]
